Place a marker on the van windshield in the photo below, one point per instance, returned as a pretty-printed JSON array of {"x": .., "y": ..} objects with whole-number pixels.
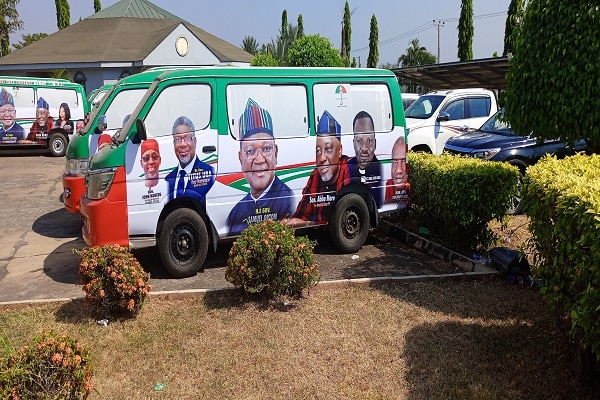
[{"x": 424, "y": 106}]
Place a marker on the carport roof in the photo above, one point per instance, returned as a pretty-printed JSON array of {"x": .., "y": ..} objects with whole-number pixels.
[{"x": 487, "y": 73}]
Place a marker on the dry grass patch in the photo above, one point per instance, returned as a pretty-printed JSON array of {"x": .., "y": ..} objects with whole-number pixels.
[{"x": 443, "y": 340}]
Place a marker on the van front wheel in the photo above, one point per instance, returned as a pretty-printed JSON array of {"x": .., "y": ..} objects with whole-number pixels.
[
  {"x": 57, "y": 144},
  {"x": 183, "y": 243},
  {"x": 349, "y": 223}
]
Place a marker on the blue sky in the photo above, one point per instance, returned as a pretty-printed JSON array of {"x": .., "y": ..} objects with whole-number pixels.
[{"x": 398, "y": 22}]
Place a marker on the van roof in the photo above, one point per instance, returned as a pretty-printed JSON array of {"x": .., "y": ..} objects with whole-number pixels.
[
  {"x": 29, "y": 81},
  {"x": 289, "y": 72}
]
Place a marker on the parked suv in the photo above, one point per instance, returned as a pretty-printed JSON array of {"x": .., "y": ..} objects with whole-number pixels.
[
  {"x": 496, "y": 141},
  {"x": 436, "y": 116}
]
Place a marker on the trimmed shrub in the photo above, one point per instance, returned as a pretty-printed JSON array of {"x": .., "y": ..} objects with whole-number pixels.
[
  {"x": 459, "y": 196},
  {"x": 269, "y": 259},
  {"x": 114, "y": 281},
  {"x": 51, "y": 366}
]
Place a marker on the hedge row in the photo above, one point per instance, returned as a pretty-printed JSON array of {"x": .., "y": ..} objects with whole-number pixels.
[{"x": 562, "y": 199}]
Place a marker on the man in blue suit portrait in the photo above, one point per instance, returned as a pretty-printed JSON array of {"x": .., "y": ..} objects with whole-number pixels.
[{"x": 192, "y": 177}]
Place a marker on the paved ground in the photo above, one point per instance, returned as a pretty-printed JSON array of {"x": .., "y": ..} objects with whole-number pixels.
[{"x": 38, "y": 235}]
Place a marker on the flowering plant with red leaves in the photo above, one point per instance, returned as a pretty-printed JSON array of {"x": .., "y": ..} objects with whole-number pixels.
[
  {"x": 113, "y": 280},
  {"x": 269, "y": 259},
  {"x": 51, "y": 366}
]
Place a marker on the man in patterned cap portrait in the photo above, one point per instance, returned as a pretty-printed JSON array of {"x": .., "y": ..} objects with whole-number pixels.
[
  {"x": 42, "y": 125},
  {"x": 10, "y": 131},
  {"x": 269, "y": 197},
  {"x": 329, "y": 176}
]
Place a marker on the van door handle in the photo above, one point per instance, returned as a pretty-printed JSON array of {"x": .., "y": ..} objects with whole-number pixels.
[{"x": 209, "y": 149}]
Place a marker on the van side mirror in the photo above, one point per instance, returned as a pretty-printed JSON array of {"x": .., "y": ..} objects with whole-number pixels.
[
  {"x": 140, "y": 133},
  {"x": 443, "y": 116}
]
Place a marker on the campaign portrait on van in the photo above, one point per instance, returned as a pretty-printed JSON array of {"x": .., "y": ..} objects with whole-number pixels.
[
  {"x": 269, "y": 197},
  {"x": 64, "y": 119},
  {"x": 364, "y": 164},
  {"x": 150, "y": 162},
  {"x": 42, "y": 125},
  {"x": 397, "y": 188},
  {"x": 79, "y": 125},
  {"x": 329, "y": 176},
  {"x": 192, "y": 177},
  {"x": 10, "y": 131}
]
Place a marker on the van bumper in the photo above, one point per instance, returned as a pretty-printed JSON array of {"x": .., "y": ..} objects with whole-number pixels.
[{"x": 73, "y": 190}]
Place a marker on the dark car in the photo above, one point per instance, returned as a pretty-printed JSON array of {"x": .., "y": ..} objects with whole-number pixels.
[{"x": 496, "y": 141}]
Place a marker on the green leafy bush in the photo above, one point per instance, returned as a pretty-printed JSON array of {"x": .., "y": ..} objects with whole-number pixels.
[
  {"x": 51, "y": 366},
  {"x": 459, "y": 196},
  {"x": 562, "y": 199},
  {"x": 114, "y": 281},
  {"x": 269, "y": 259}
]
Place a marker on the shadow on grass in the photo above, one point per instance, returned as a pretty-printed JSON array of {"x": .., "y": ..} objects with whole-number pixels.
[{"x": 495, "y": 360}]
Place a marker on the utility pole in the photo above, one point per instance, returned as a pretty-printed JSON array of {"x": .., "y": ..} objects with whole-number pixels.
[{"x": 438, "y": 25}]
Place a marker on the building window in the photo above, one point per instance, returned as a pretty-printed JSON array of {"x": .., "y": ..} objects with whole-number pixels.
[{"x": 80, "y": 78}]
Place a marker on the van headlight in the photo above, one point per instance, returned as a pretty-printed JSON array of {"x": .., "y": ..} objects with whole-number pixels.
[
  {"x": 485, "y": 154},
  {"x": 98, "y": 182},
  {"x": 77, "y": 166}
]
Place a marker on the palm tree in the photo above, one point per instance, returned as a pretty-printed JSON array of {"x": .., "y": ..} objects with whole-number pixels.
[
  {"x": 415, "y": 55},
  {"x": 250, "y": 45}
]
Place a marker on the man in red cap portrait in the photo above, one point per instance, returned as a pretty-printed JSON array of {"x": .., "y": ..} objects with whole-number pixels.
[
  {"x": 330, "y": 175},
  {"x": 150, "y": 162}
]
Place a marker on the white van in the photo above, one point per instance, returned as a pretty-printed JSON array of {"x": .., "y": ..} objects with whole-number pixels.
[
  {"x": 40, "y": 112},
  {"x": 437, "y": 116}
]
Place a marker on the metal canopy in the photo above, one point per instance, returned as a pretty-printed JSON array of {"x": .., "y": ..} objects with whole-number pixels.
[{"x": 487, "y": 73}]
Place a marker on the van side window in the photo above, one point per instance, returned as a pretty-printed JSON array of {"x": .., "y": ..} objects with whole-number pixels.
[
  {"x": 479, "y": 106},
  {"x": 115, "y": 113},
  {"x": 55, "y": 97},
  {"x": 352, "y": 99},
  {"x": 286, "y": 105},
  {"x": 191, "y": 101}
]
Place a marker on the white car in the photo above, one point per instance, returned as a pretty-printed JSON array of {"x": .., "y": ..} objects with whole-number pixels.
[
  {"x": 437, "y": 116},
  {"x": 409, "y": 98}
]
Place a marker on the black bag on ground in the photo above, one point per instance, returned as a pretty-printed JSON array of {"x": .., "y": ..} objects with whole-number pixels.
[{"x": 508, "y": 262}]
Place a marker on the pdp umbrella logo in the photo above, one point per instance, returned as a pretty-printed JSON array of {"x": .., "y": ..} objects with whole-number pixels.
[{"x": 341, "y": 92}]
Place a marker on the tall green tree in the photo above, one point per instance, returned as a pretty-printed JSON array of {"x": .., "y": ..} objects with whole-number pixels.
[
  {"x": 313, "y": 51},
  {"x": 63, "y": 14},
  {"x": 346, "y": 35},
  {"x": 9, "y": 23},
  {"x": 513, "y": 19},
  {"x": 29, "y": 38},
  {"x": 373, "y": 57},
  {"x": 250, "y": 45},
  {"x": 97, "y": 6},
  {"x": 300, "y": 27},
  {"x": 465, "y": 31},
  {"x": 283, "y": 33},
  {"x": 554, "y": 76}
]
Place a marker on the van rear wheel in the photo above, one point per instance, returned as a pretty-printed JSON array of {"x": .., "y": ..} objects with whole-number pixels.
[
  {"x": 183, "y": 243},
  {"x": 349, "y": 223},
  {"x": 57, "y": 143}
]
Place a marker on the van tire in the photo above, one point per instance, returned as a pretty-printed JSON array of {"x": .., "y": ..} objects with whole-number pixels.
[
  {"x": 57, "y": 143},
  {"x": 183, "y": 243},
  {"x": 349, "y": 223}
]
